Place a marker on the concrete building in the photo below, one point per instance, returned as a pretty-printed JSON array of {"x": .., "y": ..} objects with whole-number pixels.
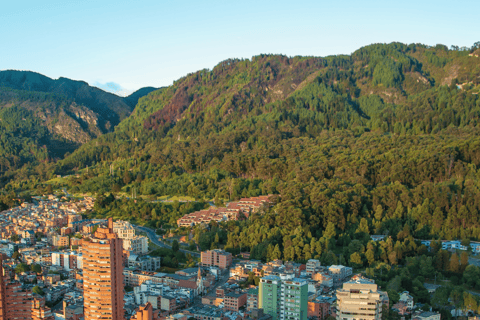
[
  {"x": 269, "y": 295},
  {"x": 218, "y": 258},
  {"x": 359, "y": 299},
  {"x": 406, "y": 298},
  {"x": 144, "y": 263},
  {"x": 135, "y": 278},
  {"x": 283, "y": 300},
  {"x": 294, "y": 303},
  {"x": 312, "y": 266},
  {"x": 68, "y": 260},
  {"x": 323, "y": 279},
  {"x": 146, "y": 289},
  {"x": 339, "y": 272},
  {"x": 137, "y": 245},
  {"x": 102, "y": 274},
  {"x": 124, "y": 229},
  {"x": 252, "y": 299}
]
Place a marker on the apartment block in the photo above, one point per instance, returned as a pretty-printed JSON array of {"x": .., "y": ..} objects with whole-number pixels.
[
  {"x": 68, "y": 260},
  {"x": 218, "y": 258},
  {"x": 17, "y": 303},
  {"x": 252, "y": 299},
  {"x": 283, "y": 299},
  {"x": 39, "y": 311},
  {"x": 359, "y": 299},
  {"x": 136, "y": 245},
  {"x": 321, "y": 307},
  {"x": 323, "y": 279},
  {"x": 233, "y": 211},
  {"x": 135, "y": 278},
  {"x": 269, "y": 295},
  {"x": 294, "y": 303},
  {"x": 312, "y": 266},
  {"x": 144, "y": 263},
  {"x": 124, "y": 229},
  {"x": 234, "y": 300},
  {"x": 103, "y": 275},
  {"x": 144, "y": 312},
  {"x": 339, "y": 272},
  {"x": 61, "y": 241}
]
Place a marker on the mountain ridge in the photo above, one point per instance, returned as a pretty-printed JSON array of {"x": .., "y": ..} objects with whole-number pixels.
[{"x": 72, "y": 112}]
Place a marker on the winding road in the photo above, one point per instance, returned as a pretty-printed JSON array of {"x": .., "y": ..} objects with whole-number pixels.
[{"x": 154, "y": 238}]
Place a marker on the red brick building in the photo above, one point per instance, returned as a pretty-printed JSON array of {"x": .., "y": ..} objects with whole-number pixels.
[
  {"x": 103, "y": 275},
  {"x": 16, "y": 303},
  {"x": 218, "y": 258},
  {"x": 320, "y": 308},
  {"x": 234, "y": 300},
  {"x": 145, "y": 312}
]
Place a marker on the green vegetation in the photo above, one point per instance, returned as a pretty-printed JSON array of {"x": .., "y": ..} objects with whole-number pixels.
[
  {"x": 139, "y": 211},
  {"x": 384, "y": 141},
  {"x": 38, "y": 290},
  {"x": 170, "y": 258},
  {"x": 22, "y": 267}
]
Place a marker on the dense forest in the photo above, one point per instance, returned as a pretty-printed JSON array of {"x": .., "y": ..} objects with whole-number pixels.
[
  {"x": 42, "y": 120},
  {"x": 383, "y": 141}
]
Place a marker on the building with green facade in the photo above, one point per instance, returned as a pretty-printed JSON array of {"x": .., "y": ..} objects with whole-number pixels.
[
  {"x": 294, "y": 299},
  {"x": 268, "y": 296},
  {"x": 283, "y": 300}
]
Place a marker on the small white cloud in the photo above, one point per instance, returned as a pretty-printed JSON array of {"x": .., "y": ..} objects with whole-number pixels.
[{"x": 114, "y": 88}]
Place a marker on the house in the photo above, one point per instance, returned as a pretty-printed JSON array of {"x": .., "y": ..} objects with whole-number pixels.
[{"x": 407, "y": 299}]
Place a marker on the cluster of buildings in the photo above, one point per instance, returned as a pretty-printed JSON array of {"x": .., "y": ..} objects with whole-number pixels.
[
  {"x": 233, "y": 211},
  {"x": 455, "y": 245},
  {"x": 41, "y": 216},
  {"x": 100, "y": 269}
]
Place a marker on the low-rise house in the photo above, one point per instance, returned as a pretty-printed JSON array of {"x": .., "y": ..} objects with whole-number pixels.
[{"x": 406, "y": 298}]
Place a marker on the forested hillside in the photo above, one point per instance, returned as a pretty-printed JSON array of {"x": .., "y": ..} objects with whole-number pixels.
[
  {"x": 42, "y": 119},
  {"x": 384, "y": 141}
]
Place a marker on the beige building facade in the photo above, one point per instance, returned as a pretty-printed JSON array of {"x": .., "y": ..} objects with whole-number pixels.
[{"x": 359, "y": 300}]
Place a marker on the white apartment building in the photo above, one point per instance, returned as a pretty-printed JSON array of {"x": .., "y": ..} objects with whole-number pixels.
[
  {"x": 312, "y": 266},
  {"x": 124, "y": 229},
  {"x": 339, "y": 272},
  {"x": 360, "y": 299},
  {"x": 131, "y": 242},
  {"x": 138, "y": 245}
]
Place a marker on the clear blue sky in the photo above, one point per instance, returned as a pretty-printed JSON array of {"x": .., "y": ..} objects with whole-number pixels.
[{"x": 152, "y": 43}]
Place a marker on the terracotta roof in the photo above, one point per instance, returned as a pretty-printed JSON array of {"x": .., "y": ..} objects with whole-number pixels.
[{"x": 187, "y": 284}]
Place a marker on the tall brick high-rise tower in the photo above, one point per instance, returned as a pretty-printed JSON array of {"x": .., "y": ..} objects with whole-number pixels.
[
  {"x": 19, "y": 304},
  {"x": 103, "y": 275}
]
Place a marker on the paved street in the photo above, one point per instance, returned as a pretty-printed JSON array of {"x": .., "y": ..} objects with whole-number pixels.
[{"x": 154, "y": 238}]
